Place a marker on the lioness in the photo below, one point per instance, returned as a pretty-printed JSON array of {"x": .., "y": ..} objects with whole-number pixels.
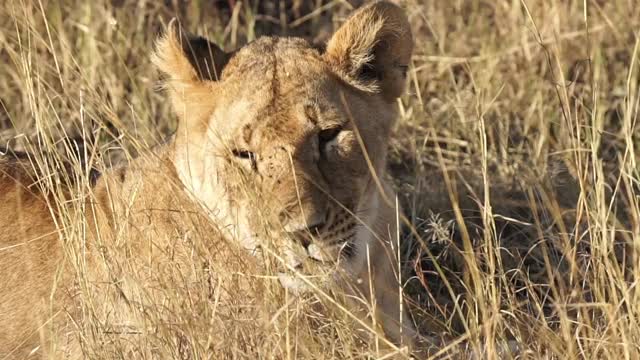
[{"x": 277, "y": 137}]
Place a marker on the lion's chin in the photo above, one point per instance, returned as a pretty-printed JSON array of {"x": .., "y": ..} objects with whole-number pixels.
[
  {"x": 294, "y": 283},
  {"x": 298, "y": 283}
]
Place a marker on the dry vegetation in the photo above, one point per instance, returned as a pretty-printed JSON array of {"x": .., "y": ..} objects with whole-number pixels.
[{"x": 516, "y": 158}]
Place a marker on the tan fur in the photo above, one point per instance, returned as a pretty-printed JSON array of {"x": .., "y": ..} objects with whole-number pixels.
[
  {"x": 29, "y": 254},
  {"x": 275, "y": 141}
]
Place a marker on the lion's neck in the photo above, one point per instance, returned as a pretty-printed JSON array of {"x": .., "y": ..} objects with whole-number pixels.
[{"x": 148, "y": 182}]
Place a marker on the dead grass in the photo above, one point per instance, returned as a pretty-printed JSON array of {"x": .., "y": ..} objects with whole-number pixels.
[{"x": 516, "y": 158}]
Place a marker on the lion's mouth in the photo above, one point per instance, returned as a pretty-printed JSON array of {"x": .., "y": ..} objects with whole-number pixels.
[
  {"x": 326, "y": 243},
  {"x": 315, "y": 267},
  {"x": 321, "y": 247}
]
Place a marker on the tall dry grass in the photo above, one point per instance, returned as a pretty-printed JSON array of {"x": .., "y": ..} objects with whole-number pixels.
[{"x": 516, "y": 160}]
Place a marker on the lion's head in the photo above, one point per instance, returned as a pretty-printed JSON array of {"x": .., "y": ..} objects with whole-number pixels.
[{"x": 281, "y": 131}]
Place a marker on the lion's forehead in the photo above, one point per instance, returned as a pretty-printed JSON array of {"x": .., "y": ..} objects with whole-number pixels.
[
  {"x": 276, "y": 59},
  {"x": 269, "y": 85},
  {"x": 249, "y": 119},
  {"x": 272, "y": 137}
]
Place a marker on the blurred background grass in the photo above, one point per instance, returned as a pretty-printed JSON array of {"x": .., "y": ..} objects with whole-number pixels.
[{"x": 515, "y": 156}]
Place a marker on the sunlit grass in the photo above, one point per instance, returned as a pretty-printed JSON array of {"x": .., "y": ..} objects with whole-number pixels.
[{"x": 515, "y": 156}]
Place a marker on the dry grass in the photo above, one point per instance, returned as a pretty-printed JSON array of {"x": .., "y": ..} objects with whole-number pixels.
[{"x": 516, "y": 157}]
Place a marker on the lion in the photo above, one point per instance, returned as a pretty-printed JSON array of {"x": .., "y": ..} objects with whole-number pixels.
[{"x": 277, "y": 140}]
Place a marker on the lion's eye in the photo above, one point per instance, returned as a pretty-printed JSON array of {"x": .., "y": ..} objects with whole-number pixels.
[
  {"x": 246, "y": 155},
  {"x": 328, "y": 135}
]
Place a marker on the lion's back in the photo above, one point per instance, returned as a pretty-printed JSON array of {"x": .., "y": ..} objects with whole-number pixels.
[{"x": 29, "y": 254}]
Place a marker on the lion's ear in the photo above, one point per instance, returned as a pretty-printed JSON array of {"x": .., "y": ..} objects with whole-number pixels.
[
  {"x": 188, "y": 58},
  {"x": 373, "y": 49}
]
